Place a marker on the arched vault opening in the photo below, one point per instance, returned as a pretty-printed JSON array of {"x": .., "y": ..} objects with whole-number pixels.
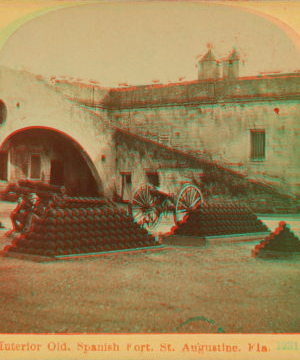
[{"x": 50, "y": 156}]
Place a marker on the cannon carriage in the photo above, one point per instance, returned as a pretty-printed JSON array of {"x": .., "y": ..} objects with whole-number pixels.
[{"x": 178, "y": 194}]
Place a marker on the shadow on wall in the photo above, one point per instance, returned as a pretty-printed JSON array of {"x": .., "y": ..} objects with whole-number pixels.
[{"x": 52, "y": 157}]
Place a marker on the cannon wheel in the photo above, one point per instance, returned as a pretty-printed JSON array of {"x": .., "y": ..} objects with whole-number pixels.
[
  {"x": 190, "y": 197},
  {"x": 145, "y": 207}
]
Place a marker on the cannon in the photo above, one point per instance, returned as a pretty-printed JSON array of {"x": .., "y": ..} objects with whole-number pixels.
[
  {"x": 44, "y": 191},
  {"x": 150, "y": 203}
]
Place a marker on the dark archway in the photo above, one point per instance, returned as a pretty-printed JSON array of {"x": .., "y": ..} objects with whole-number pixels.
[
  {"x": 3, "y": 112},
  {"x": 50, "y": 156}
]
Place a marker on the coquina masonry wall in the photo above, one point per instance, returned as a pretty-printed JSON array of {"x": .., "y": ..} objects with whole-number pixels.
[{"x": 219, "y": 126}]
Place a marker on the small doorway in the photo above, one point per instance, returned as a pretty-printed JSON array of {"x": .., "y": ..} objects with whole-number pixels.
[
  {"x": 57, "y": 173},
  {"x": 3, "y": 165},
  {"x": 126, "y": 187},
  {"x": 35, "y": 167}
]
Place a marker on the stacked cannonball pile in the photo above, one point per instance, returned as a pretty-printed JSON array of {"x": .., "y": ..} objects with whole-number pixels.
[
  {"x": 282, "y": 240},
  {"x": 217, "y": 220},
  {"x": 67, "y": 202},
  {"x": 81, "y": 226}
]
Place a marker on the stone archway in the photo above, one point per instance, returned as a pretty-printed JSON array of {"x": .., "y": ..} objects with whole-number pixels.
[{"x": 50, "y": 156}]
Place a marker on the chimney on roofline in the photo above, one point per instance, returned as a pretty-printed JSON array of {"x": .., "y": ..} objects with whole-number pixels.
[
  {"x": 211, "y": 69},
  {"x": 231, "y": 66},
  {"x": 208, "y": 68}
]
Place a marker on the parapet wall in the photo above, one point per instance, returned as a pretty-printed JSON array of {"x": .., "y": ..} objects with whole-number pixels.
[{"x": 229, "y": 90}]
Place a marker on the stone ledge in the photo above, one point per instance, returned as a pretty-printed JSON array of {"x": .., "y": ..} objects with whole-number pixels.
[
  {"x": 181, "y": 240},
  {"x": 31, "y": 257},
  {"x": 237, "y": 238},
  {"x": 113, "y": 252},
  {"x": 41, "y": 259},
  {"x": 280, "y": 255}
]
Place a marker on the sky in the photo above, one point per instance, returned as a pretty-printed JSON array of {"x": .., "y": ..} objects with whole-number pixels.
[{"x": 145, "y": 42}]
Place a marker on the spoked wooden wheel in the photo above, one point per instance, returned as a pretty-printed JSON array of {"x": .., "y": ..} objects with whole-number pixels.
[
  {"x": 146, "y": 207},
  {"x": 190, "y": 198}
]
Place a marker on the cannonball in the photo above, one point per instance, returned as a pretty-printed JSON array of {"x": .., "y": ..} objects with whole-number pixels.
[
  {"x": 97, "y": 226},
  {"x": 50, "y": 221},
  {"x": 76, "y": 243},
  {"x": 93, "y": 249},
  {"x": 75, "y": 220},
  {"x": 73, "y": 212},
  {"x": 91, "y": 212},
  {"x": 68, "y": 235},
  {"x": 62, "y": 212},
  {"x": 51, "y": 213},
  {"x": 59, "y": 244},
  {"x": 91, "y": 234},
  {"x": 80, "y": 212},
  {"x": 76, "y": 212},
  {"x": 60, "y": 235},
  {"x": 51, "y": 245},
  {"x": 84, "y": 212},
  {"x": 68, "y": 213},
  {"x": 49, "y": 252},
  {"x": 98, "y": 233},
  {"x": 89, "y": 219},
  {"x": 97, "y": 218},
  {"x": 81, "y": 220}
]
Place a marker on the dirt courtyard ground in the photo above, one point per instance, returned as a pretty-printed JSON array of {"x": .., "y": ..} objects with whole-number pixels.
[{"x": 219, "y": 288}]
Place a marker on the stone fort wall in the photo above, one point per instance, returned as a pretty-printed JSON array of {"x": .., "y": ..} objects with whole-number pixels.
[
  {"x": 215, "y": 120},
  {"x": 211, "y": 120}
]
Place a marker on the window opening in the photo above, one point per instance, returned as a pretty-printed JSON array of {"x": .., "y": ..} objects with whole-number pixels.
[
  {"x": 258, "y": 144},
  {"x": 164, "y": 139},
  {"x": 35, "y": 167},
  {"x": 153, "y": 178}
]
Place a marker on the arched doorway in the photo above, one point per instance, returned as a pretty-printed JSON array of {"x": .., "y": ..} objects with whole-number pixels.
[{"x": 50, "y": 156}]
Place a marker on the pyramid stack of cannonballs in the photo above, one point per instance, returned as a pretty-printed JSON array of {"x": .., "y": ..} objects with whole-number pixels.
[
  {"x": 281, "y": 241},
  {"x": 82, "y": 226},
  {"x": 218, "y": 220}
]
